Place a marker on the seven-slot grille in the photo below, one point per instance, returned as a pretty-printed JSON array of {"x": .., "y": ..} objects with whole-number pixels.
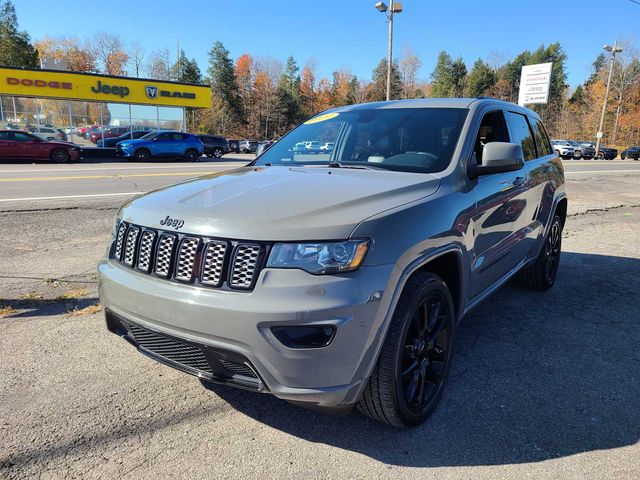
[{"x": 189, "y": 259}]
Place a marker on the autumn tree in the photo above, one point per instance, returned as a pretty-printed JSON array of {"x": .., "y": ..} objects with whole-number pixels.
[
  {"x": 77, "y": 55},
  {"x": 308, "y": 88},
  {"x": 16, "y": 49}
]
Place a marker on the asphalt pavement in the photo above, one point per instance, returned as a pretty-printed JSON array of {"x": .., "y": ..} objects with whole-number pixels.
[{"x": 543, "y": 385}]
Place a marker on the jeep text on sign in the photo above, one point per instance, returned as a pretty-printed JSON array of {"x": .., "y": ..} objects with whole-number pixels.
[
  {"x": 103, "y": 88},
  {"x": 534, "y": 84}
]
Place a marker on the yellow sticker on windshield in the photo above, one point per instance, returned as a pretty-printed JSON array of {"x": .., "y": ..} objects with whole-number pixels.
[{"x": 321, "y": 118}]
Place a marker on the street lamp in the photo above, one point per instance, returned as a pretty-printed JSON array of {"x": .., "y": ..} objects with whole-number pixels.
[
  {"x": 395, "y": 7},
  {"x": 613, "y": 50}
]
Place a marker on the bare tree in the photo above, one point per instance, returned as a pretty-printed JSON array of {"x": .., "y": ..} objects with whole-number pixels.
[
  {"x": 409, "y": 65},
  {"x": 626, "y": 75},
  {"x": 110, "y": 54},
  {"x": 159, "y": 66},
  {"x": 136, "y": 58}
]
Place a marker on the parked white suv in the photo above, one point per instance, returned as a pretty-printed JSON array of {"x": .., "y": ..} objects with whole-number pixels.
[{"x": 563, "y": 149}]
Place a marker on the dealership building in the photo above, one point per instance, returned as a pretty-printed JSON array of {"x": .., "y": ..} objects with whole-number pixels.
[{"x": 41, "y": 99}]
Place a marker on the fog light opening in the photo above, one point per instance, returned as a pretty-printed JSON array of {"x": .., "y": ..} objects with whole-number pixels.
[{"x": 305, "y": 336}]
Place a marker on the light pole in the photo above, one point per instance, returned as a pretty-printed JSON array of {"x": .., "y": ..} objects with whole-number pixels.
[
  {"x": 395, "y": 7},
  {"x": 615, "y": 49}
]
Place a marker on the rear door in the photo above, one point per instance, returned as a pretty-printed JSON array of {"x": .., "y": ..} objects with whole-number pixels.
[
  {"x": 501, "y": 203},
  {"x": 545, "y": 173}
]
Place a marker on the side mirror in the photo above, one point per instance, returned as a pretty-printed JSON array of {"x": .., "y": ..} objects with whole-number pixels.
[{"x": 499, "y": 157}]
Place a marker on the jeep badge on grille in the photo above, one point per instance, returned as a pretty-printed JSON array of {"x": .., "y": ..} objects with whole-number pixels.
[{"x": 172, "y": 222}]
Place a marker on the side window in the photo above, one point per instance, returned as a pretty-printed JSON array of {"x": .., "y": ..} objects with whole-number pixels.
[
  {"x": 21, "y": 137},
  {"x": 492, "y": 129},
  {"x": 164, "y": 137},
  {"x": 178, "y": 136},
  {"x": 521, "y": 133},
  {"x": 542, "y": 139},
  {"x": 4, "y": 136}
]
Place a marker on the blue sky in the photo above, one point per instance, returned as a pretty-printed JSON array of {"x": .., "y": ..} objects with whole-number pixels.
[{"x": 347, "y": 33}]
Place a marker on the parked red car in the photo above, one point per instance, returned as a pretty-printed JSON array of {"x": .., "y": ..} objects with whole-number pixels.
[
  {"x": 109, "y": 132},
  {"x": 17, "y": 145}
]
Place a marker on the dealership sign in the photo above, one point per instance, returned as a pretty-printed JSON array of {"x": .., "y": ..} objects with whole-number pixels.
[
  {"x": 104, "y": 88},
  {"x": 534, "y": 83}
]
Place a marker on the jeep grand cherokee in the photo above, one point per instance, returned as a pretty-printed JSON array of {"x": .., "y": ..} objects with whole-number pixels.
[{"x": 337, "y": 279}]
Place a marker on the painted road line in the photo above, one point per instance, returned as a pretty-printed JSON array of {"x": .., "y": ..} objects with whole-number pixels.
[
  {"x": 66, "y": 197},
  {"x": 163, "y": 167},
  {"x": 601, "y": 171},
  {"x": 101, "y": 177}
]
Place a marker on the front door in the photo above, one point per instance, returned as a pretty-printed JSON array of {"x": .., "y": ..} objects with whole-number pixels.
[{"x": 501, "y": 204}]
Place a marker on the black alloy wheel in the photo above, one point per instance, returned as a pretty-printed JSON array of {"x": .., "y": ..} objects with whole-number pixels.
[
  {"x": 217, "y": 152},
  {"x": 191, "y": 155},
  {"x": 60, "y": 155},
  {"x": 424, "y": 355},
  {"x": 552, "y": 250},
  {"x": 142, "y": 155},
  {"x": 408, "y": 380}
]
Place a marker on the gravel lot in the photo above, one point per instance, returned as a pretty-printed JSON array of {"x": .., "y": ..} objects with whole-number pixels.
[{"x": 542, "y": 385}]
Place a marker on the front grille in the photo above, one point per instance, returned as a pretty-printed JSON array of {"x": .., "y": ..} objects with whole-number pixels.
[
  {"x": 245, "y": 262},
  {"x": 169, "y": 348},
  {"x": 213, "y": 263},
  {"x": 186, "y": 259}
]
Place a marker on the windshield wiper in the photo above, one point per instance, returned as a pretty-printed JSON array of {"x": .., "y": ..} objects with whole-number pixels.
[{"x": 356, "y": 167}]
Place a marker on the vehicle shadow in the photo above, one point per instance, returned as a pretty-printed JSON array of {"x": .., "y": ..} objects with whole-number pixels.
[{"x": 535, "y": 376}]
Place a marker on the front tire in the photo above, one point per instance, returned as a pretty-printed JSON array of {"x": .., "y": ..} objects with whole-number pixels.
[
  {"x": 600, "y": 156},
  {"x": 142, "y": 155},
  {"x": 542, "y": 274},
  {"x": 409, "y": 377},
  {"x": 59, "y": 155},
  {"x": 191, "y": 155},
  {"x": 217, "y": 152}
]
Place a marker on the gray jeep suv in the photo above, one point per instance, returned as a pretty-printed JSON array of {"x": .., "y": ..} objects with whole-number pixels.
[{"x": 337, "y": 279}]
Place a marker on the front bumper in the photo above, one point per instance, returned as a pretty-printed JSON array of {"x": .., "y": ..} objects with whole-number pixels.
[
  {"x": 238, "y": 323},
  {"x": 121, "y": 152}
]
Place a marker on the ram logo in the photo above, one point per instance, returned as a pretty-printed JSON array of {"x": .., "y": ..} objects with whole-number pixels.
[{"x": 152, "y": 92}]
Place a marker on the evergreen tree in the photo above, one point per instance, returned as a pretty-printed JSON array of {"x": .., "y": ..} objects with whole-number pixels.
[
  {"x": 442, "y": 82},
  {"x": 185, "y": 70},
  {"x": 459, "y": 75},
  {"x": 378, "y": 86},
  {"x": 16, "y": 49},
  {"x": 598, "y": 64},
  {"x": 289, "y": 103},
  {"x": 223, "y": 79},
  {"x": 480, "y": 79}
]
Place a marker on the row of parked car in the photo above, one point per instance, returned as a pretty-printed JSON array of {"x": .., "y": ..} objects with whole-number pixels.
[{"x": 571, "y": 149}]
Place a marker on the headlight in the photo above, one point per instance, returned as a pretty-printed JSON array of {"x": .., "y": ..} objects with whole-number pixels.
[{"x": 319, "y": 258}]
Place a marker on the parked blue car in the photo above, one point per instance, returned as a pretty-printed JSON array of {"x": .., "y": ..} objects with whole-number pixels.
[{"x": 162, "y": 144}]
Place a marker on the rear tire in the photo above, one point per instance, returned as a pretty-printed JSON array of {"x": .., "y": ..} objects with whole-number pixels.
[
  {"x": 59, "y": 155},
  {"x": 217, "y": 152},
  {"x": 541, "y": 275},
  {"x": 600, "y": 156},
  {"x": 409, "y": 377}
]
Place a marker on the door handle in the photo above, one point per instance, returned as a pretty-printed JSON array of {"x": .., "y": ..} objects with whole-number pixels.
[{"x": 518, "y": 181}]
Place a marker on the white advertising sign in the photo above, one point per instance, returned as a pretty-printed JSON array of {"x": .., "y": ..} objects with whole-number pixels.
[{"x": 534, "y": 84}]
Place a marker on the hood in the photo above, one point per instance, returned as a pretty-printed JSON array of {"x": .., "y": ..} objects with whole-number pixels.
[{"x": 279, "y": 203}]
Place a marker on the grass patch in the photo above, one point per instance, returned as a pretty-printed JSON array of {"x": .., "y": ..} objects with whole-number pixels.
[
  {"x": 6, "y": 310},
  {"x": 31, "y": 296},
  {"x": 73, "y": 294},
  {"x": 90, "y": 310}
]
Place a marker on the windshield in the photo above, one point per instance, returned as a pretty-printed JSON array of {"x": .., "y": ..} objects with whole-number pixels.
[
  {"x": 148, "y": 136},
  {"x": 418, "y": 140}
]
